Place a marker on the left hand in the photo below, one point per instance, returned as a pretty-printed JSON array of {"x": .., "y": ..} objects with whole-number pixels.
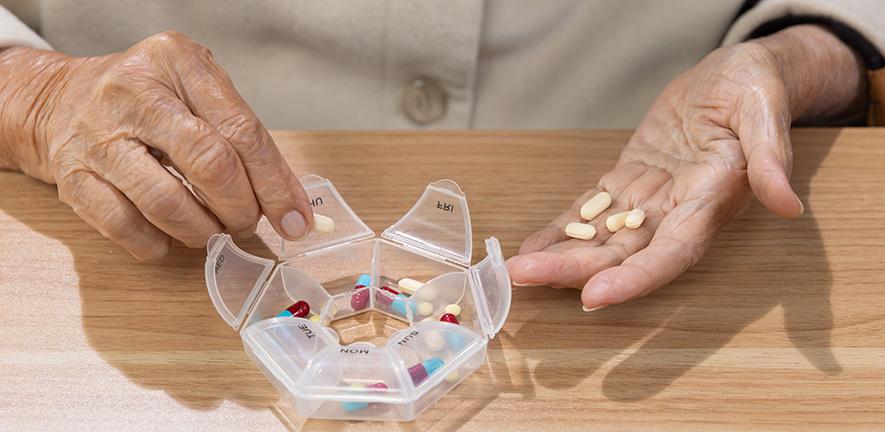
[{"x": 717, "y": 135}]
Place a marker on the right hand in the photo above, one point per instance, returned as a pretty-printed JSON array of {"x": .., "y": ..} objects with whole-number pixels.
[{"x": 102, "y": 128}]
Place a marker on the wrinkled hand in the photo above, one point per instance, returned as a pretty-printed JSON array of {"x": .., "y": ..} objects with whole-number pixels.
[
  {"x": 103, "y": 128},
  {"x": 717, "y": 135}
]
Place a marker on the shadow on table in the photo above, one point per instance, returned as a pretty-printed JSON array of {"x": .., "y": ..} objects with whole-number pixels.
[
  {"x": 758, "y": 263},
  {"x": 156, "y": 325}
]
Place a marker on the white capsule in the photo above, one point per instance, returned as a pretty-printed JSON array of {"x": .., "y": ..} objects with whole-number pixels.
[
  {"x": 323, "y": 224},
  {"x": 596, "y": 205},
  {"x": 429, "y": 319},
  {"x": 425, "y": 309},
  {"x": 434, "y": 340},
  {"x": 409, "y": 285},
  {"x": 453, "y": 309},
  {"x": 616, "y": 221},
  {"x": 580, "y": 231},
  {"x": 635, "y": 218}
]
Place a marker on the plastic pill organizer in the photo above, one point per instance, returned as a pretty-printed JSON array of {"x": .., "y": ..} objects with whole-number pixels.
[{"x": 303, "y": 357}]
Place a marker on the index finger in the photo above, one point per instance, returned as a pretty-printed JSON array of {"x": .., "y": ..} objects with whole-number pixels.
[{"x": 210, "y": 94}]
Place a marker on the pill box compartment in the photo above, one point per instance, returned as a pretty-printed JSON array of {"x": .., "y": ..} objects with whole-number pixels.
[{"x": 305, "y": 359}]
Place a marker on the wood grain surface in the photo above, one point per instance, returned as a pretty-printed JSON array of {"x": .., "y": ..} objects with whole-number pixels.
[{"x": 780, "y": 327}]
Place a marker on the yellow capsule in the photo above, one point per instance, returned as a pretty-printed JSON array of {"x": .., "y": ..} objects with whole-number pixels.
[
  {"x": 596, "y": 205},
  {"x": 616, "y": 221},
  {"x": 323, "y": 224},
  {"x": 634, "y": 218},
  {"x": 580, "y": 231},
  {"x": 409, "y": 285}
]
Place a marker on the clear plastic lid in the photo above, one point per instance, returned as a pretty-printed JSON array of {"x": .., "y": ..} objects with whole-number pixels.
[
  {"x": 438, "y": 223},
  {"x": 326, "y": 201},
  {"x": 490, "y": 284},
  {"x": 233, "y": 278}
]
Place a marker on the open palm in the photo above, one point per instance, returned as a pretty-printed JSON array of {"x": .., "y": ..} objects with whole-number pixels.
[{"x": 716, "y": 135}]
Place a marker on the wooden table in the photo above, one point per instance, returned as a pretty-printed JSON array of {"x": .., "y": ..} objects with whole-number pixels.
[{"x": 779, "y": 327}]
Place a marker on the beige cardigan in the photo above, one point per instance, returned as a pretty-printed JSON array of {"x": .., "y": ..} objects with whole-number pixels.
[{"x": 375, "y": 64}]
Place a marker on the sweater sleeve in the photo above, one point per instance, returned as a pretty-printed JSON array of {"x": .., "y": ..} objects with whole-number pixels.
[
  {"x": 860, "y": 24},
  {"x": 13, "y": 32}
]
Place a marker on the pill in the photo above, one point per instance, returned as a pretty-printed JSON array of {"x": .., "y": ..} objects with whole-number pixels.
[
  {"x": 453, "y": 309},
  {"x": 390, "y": 290},
  {"x": 353, "y": 406},
  {"x": 409, "y": 285},
  {"x": 616, "y": 221},
  {"x": 424, "y": 369},
  {"x": 385, "y": 298},
  {"x": 634, "y": 218},
  {"x": 427, "y": 293},
  {"x": 434, "y": 341},
  {"x": 596, "y": 205},
  {"x": 360, "y": 298},
  {"x": 580, "y": 231},
  {"x": 453, "y": 377},
  {"x": 428, "y": 319},
  {"x": 449, "y": 318},
  {"x": 363, "y": 280},
  {"x": 315, "y": 318},
  {"x": 425, "y": 309},
  {"x": 299, "y": 309},
  {"x": 323, "y": 224},
  {"x": 399, "y": 304}
]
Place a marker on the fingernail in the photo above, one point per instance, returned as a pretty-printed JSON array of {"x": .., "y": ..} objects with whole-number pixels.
[
  {"x": 518, "y": 284},
  {"x": 801, "y": 206},
  {"x": 586, "y": 309},
  {"x": 293, "y": 225}
]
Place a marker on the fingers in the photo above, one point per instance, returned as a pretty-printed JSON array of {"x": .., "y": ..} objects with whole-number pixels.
[
  {"x": 209, "y": 93},
  {"x": 678, "y": 243},
  {"x": 205, "y": 159},
  {"x": 107, "y": 210},
  {"x": 764, "y": 132},
  {"x": 572, "y": 263},
  {"x": 161, "y": 198}
]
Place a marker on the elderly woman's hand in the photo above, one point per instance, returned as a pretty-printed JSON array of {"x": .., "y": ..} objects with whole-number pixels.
[
  {"x": 716, "y": 136},
  {"x": 104, "y": 128}
]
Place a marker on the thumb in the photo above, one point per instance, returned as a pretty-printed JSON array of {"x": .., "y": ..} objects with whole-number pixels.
[{"x": 764, "y": 131}]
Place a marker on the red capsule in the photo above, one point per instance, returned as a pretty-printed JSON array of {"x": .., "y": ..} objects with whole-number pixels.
[
  {"x": 360, "y": 298},
  {"x": 299, "y": 309},
  {"x": 385, "y": 299},
  {"x": 390, "y": 290},
  {"x": 449, "y": 318}
]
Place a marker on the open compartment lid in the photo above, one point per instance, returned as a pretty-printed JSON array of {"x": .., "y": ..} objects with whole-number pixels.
[
  {"x": 438, "y": 223},
  {"x": 233, "y": 278},
  {"x": 325, "y": 200},
  {"x": 490, "y": 285}
]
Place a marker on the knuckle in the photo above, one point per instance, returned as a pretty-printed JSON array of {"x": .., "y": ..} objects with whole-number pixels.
[
  {"x": 165, "y": 201},
  {"x": 117, "y": 224},
  {"x": 246, "y": 132},
  {"x": 211, "y": 165}
]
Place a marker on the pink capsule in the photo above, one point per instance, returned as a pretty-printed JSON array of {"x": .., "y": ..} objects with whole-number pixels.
[
  {"x": 360, "y": 298},
  {"x": 385, "y": 299},
  {"x": 299, "y": 309},
  {"x": 449, "y": 318}
]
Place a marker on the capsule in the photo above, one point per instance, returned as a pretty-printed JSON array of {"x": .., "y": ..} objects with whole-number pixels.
[
  {"x": 363, "y": 280},
  {"x": 299, "y": 309},
  {"x": 422, "y": 370},
  {"x": 354, "y": 406},
  {"x": 323, "y": 224},
  {"x": 596, "y": 205},
  {"x": 360, "y": 299},
  {"x": 409, "y": 285},
  {"x": 399, "y": 304},
  {"x": 634, "y": 218},
  {"x": 453, "y": 309},
  {"x": 616, "y": 221},
  {"x": 386, "y": 299},
  {"x": 449, "y": 318},
  {"x": 580, "y": 231}
]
